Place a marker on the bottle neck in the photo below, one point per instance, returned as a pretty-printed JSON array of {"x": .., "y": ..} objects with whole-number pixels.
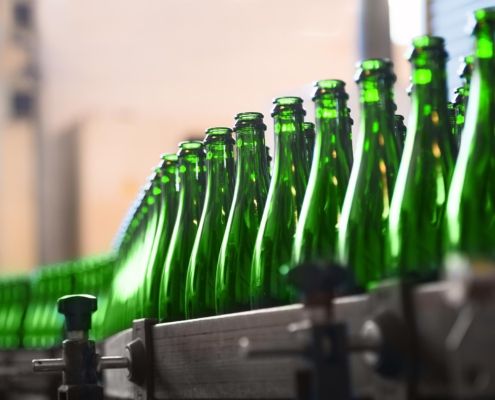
[
  {"x": 220, "y": 169},
  {"x": 429, "y": 95},
  {"x": 331, "y": 125},
  {"x": 251, "y": 156},
  {"x": 289, "y": 146},
  {"x": 191, "y": 176},
  {"x": 377, "y": 113},
  {"x": 480, "y": 113}
]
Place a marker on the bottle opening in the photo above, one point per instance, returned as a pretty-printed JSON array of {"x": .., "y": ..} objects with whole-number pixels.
[
  {"x": 480, "y": 16},
  {"x": 219, "y": 131},
  {"x": 249, "y": 116},
  {"x": 375, "y": 67},
  {"x": 377, "y": 64},
  {"x": 424, "y": 42},
  {"x": 330, "y": 84},
  {"x": 191, "y": 145},
  {"x": 287, "y": 101},
  {"x": 172, "y": 157}
]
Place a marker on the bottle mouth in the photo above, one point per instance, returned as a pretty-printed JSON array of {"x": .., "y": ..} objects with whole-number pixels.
[
  {"x": 287, "y": 101},
  {"x": 195, "y": 147},
  {"x": 171, "y": 157},
  {"x": 219, "y": 130},
  {"x": 481, "y": 16},
  {"x": 334, "y": 87},
  {"x": 249, "y": 119},
  {"x": 430, "y": 44},
  {"x": 376, "y": 67},
  {"x": 249, "y": 116},
  {"x": 399, "y": 117},
  {"x": 288, "y": 104}
]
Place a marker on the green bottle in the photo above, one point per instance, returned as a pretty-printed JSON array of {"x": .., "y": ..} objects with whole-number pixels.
[
  {"x": 14, "y": 297},
  {"x": 460, "y": 103},
  {"x": 269, "y": 160},
  {"x": 470, "y": 217},
  {"x": 232, "y": 282},
  {"x": 309, "y": 137},
  {"x": 418, "y": 204},
  {"x": 200, "y": 280},
  {"x": 316, "y": 233},
  {"x": 451, "y": 114},
  {"x": 347, "y": 138},
  {"x": 168, "y": 193},
  {"x": 400, "y": 130},
  {"x": 465, "y": 73},
  {"x": 272, "y": 251},
  {"x": 364, "y": 221},
  {"x": 192, "y": 180}
]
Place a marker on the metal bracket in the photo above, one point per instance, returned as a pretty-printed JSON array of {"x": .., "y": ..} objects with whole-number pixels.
[
  {"x": 140, "y": 354},
  {"x": 392, "y": 324}
]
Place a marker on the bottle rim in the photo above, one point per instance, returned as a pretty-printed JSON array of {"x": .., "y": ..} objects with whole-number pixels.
[
  {"x": 288, "y": 103},
  {"x": 249, "y": 116},
  {"x": 374, "y": 67}
]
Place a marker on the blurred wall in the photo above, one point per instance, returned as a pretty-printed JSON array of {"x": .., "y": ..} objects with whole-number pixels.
[{"x": 136, "y": 77}]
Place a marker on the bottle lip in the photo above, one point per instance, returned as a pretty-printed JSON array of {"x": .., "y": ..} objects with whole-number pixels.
[
  {"x": 429, "y": 43},
  {"x": 480, "y": 16},
  {"x": 172, "y": 157},
  {"x": 249, "y": 119},
  {"x": 191, "y": 147},
  {"x": 288, "y": 103},
  {"x": 382, "y": 67},
  {"x": 458, "y": 96},
  {"x": 399, "y": 117},
  {"x": 219, "y": 134},
  {"x": 308, "y": 125},
  {"x": 329, "y": 86},
  {"x": 248, "y": 116}
]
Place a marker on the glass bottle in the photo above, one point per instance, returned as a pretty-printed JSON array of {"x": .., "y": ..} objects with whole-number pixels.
[
  {"x": 470, "y": 215},
  {"x": 269, "y": 160},
  {"x": 418, "y": 203},
  {"x": 316, "y": 232},
  {"x": 465, "y": 73},
  {"x": 168, "y": 193},
  {"x": 347, "y": 138},
  {"x": 232, "y": 282},
  {"x": 364, "y": 221},
  {"x": 200, "y": 279},
  {"x": 309, "y": 137},
  {"x": 192, "y": 176},
  {"x": 272, "y": 251},
  {"x": 459, "y": 105},
  {"x": 400, "y": 129}
]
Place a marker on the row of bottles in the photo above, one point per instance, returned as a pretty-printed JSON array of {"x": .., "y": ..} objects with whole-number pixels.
[
  {"x": 381, "y": 210},
  {"x": 28, "y": 303},
  {"x": 217, "y": 227}
]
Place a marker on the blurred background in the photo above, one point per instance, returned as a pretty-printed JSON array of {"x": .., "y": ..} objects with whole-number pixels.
[{"x": 93, "y": 91}]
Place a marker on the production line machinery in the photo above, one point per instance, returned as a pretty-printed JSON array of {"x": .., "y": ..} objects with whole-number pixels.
[{"x": 397, "y": 342}]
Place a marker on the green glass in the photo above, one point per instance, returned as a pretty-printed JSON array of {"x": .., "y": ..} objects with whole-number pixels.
[
  {"x": 283, "y": 206},
  {"x": 460, "y": 103},
  {"x": 418, "y": 203},
  {"x": 364, "y": 221},
  {"x": 200, "y": 280},
  {"x": 451, "y": 114},
  {"x": 309, "y": 137},
  {"x": 470, "y": 216},
  {"x": 316, "y": 232},
  {"x": 192, "y": 178},
  {"x": 346, "y": 138},
  {"x": 269, "y": 160},
  {"x": 400, "y": 129},
  {"x": 14, "y": 298},
  {"x": 167, "y": 203},
  {"x": 465, "y": 73},
  {"x": 232, "y": 282},
  {"x": 119, "y": 311}
]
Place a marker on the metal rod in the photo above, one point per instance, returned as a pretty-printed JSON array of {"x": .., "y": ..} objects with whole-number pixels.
[
  {"x": 49, "y": 365},
  {"x": 114, "y": 363}
]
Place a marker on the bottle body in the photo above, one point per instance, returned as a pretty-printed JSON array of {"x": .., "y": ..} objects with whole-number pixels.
[
  {"x": 191, "y": 195},
  {"x": 200, "y": 281},
  {"x": 316, "y": 232},
  {"x": 418, "y": 204},
  {"x": 471, "y": 200},
  {"x": 272, "y": 250},
  {"x": 364, "y": 221},
  {"x": 233, "y": 275}
]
